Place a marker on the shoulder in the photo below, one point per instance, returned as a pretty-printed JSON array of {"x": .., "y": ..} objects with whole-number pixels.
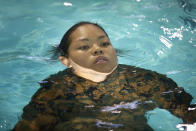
[
  {"x": 134, "y": 69},
  {"x": 57, "y": 78},
  {"x": 60, "y": 75},
  {"x": 52, "y": 86},
  {"x": 146, "y": 75},
  {"x": 137, "y": 71}
]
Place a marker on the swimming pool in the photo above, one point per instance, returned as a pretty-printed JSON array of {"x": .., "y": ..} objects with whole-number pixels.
[{"x": 153, "y": 34}]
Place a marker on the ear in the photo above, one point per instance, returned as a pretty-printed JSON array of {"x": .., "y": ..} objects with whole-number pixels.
[{"x": 65, "y": 61}]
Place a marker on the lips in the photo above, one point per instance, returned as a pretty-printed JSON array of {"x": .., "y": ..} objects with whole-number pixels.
[{"x": 101, "y": 60}]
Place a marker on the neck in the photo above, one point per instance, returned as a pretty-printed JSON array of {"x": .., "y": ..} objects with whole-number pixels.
[{"x": 89, "y": 73}]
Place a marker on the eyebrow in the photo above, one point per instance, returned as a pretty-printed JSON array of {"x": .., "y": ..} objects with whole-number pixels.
[
  {"x": 86, "y": 39},
  {"x": 101, "y": 37}
]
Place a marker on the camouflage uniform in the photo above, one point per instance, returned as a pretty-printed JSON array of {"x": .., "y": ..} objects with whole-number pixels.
[{"x": 68, "y": 102}]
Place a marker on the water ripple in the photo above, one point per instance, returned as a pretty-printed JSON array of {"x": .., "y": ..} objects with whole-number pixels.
[
  {"x": 102, "y": 124},
  {"x": 122, "y": 105}
]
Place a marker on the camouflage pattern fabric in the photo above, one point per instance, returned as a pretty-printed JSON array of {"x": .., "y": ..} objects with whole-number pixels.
[{"x": 68, "y": 102}]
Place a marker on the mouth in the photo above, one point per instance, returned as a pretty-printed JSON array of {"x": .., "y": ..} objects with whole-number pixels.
[{"x": 101, "y": 60}]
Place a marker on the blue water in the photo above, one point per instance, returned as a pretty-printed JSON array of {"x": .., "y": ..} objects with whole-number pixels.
[{"x": 154, "y": 34}]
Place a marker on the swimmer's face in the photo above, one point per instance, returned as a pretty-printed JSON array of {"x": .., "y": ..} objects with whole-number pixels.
[{"x": 91, "y": 48}]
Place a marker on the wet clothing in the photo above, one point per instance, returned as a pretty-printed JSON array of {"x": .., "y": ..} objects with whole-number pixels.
[{"x": 68, "y": 102}]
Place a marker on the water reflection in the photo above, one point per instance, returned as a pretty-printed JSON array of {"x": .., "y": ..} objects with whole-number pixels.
[
  {"x": 189, "y": 21},
  {"x": 190, "y": 9},
  {"x": 122, "y": 105},
  {"x": 189, "y": 6},
  {"x": 102, "y": 124}
]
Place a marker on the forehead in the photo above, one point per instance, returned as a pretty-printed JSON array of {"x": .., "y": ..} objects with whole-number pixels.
[{"x": 87, "y": 31}]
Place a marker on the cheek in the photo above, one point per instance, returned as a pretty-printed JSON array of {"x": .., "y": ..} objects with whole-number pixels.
[
  {"x": 114, "y": 57},
  {"x": 112, "y": 54},
  {"x": 81, "y": 58}
]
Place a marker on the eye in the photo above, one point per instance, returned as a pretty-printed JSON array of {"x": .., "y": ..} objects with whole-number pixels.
[
  {"x": 84, "y": 47},
  {"x": 105, "y": 44}
]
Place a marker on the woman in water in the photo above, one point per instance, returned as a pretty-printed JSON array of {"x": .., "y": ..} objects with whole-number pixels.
[{"x": 97, "y": 93}]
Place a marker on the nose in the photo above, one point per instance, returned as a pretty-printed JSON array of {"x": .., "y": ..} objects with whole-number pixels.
[{"x": 98, "y": 52}]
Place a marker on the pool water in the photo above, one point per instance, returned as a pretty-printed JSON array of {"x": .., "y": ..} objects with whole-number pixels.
[{"x": 153, "y": 34}]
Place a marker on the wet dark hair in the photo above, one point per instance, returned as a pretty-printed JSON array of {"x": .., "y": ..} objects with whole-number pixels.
[{"x": 62, "y": 48}]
